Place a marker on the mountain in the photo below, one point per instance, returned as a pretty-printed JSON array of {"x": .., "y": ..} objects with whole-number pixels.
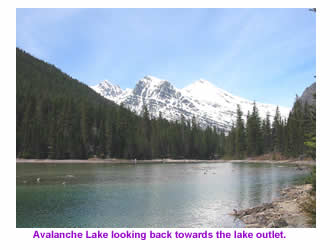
[
  {"x": 58, "y": 117},
  {"x": 308, "y": 94},
  {"x": 210, "y": 105}
]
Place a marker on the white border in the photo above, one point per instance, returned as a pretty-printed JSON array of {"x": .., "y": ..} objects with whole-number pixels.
[{"x": 296, "y": 238}]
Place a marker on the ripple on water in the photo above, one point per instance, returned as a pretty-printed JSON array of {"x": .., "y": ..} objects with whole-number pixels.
[{"x": 150, "y": 195}]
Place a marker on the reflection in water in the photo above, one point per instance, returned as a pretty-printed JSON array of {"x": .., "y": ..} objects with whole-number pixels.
[{"x": 144, "y": 195}]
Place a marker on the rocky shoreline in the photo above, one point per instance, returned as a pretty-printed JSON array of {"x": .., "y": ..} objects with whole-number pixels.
[{"x": 286, "y": 211}]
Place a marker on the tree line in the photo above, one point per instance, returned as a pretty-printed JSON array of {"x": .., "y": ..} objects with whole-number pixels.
[
  {"x": 291, "y": 137},
  {"x": 58, "y": 117}
]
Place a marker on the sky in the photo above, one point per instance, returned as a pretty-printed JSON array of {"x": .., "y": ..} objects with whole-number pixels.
[{"x": 266, "y": 55}]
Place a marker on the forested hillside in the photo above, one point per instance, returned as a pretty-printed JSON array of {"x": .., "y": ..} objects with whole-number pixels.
[
  {"x": 58, "y": 117},
  {"x": 292, "y": 137}
]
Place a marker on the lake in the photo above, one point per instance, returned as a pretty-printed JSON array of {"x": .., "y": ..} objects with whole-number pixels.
[{"x": 145, "y": 195}]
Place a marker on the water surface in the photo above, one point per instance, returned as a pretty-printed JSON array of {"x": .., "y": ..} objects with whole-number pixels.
[{"x": 144, "y": 195}]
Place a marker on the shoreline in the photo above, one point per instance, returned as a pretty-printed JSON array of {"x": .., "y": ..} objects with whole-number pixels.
[
  {"x": 127, "y": 161},
  {"x": 287, "y": 211}
]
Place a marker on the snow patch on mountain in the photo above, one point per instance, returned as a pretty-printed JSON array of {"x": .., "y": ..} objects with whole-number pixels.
[{"x": 210, "y": 105}]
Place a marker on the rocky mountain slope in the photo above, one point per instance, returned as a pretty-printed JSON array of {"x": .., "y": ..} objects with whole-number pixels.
[
  {"x": 308, "y": 94},
  {"x": 210, "y": 105}
]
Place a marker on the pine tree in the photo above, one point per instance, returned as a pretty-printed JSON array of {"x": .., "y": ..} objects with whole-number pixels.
[
  {"x": 239, "y": 134},
  {"x": 231, "y": 142},
  {"x": 310, "y": 134},
  {"x": 276, "y": 131},
  {"x": 147, "y": 132},
  {"x": 267, "y": 134},
  {"x": 254, "y": 135}
]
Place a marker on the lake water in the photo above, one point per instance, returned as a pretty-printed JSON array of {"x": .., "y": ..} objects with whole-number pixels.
[{"x": 144, "y": 195}]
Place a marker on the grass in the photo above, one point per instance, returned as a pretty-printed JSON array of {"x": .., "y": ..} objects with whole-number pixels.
[{"x": 311, "y": 179}]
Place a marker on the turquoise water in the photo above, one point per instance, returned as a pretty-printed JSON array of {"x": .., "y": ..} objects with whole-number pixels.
[{"x": 144, "y": 195}]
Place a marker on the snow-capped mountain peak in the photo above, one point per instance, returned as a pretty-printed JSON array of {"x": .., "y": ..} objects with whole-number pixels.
[
  {"x": 210, "y": 105},
  {"x": 200, "y": 83},
  {"x": 106, "y": 83},
  {"x": 206, "y": 91},
  {"x": 152, "y": 79},
  {"x": 108, "y": 89},
  {"x": 150, "y": 82},
  {"x": 152, "y": 87}
]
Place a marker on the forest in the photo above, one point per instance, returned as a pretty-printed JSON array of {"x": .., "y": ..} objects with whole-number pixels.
[{"x": 58, "y": 117}]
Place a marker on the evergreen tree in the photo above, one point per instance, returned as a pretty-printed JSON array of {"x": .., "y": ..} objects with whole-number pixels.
[
  {"x": 266, "y": 134},
  {"x": 310, "y": 134},
  {"x": 240, "y": 134},
  {"x": 254, "y": 136},
  {"x": 58, "y": 117},
  {"x": 276, "y": 131}
]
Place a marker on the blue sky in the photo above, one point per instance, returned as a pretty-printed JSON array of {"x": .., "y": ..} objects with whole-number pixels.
[{"x": 267, "y": 55}]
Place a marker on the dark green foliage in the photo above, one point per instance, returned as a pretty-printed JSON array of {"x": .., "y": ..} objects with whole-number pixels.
[
  {"x": 310, "y": 137},
  {"x": 296, "y": 130},
  {"x": 266, "y": 134},
  {"x": 60, "y": 118},
  {"x": 254, "y": 135},
  {"x": 240, "y": 138},
  {"x": 277, "y": 132},
  {"x": 310, "y": 129},
  {"x": 311, "y": 179},
  {"x": 292, "y": 137}
]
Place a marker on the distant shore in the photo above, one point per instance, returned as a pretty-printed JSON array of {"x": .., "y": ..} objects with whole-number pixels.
[{"x": 132, "y": 161}]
